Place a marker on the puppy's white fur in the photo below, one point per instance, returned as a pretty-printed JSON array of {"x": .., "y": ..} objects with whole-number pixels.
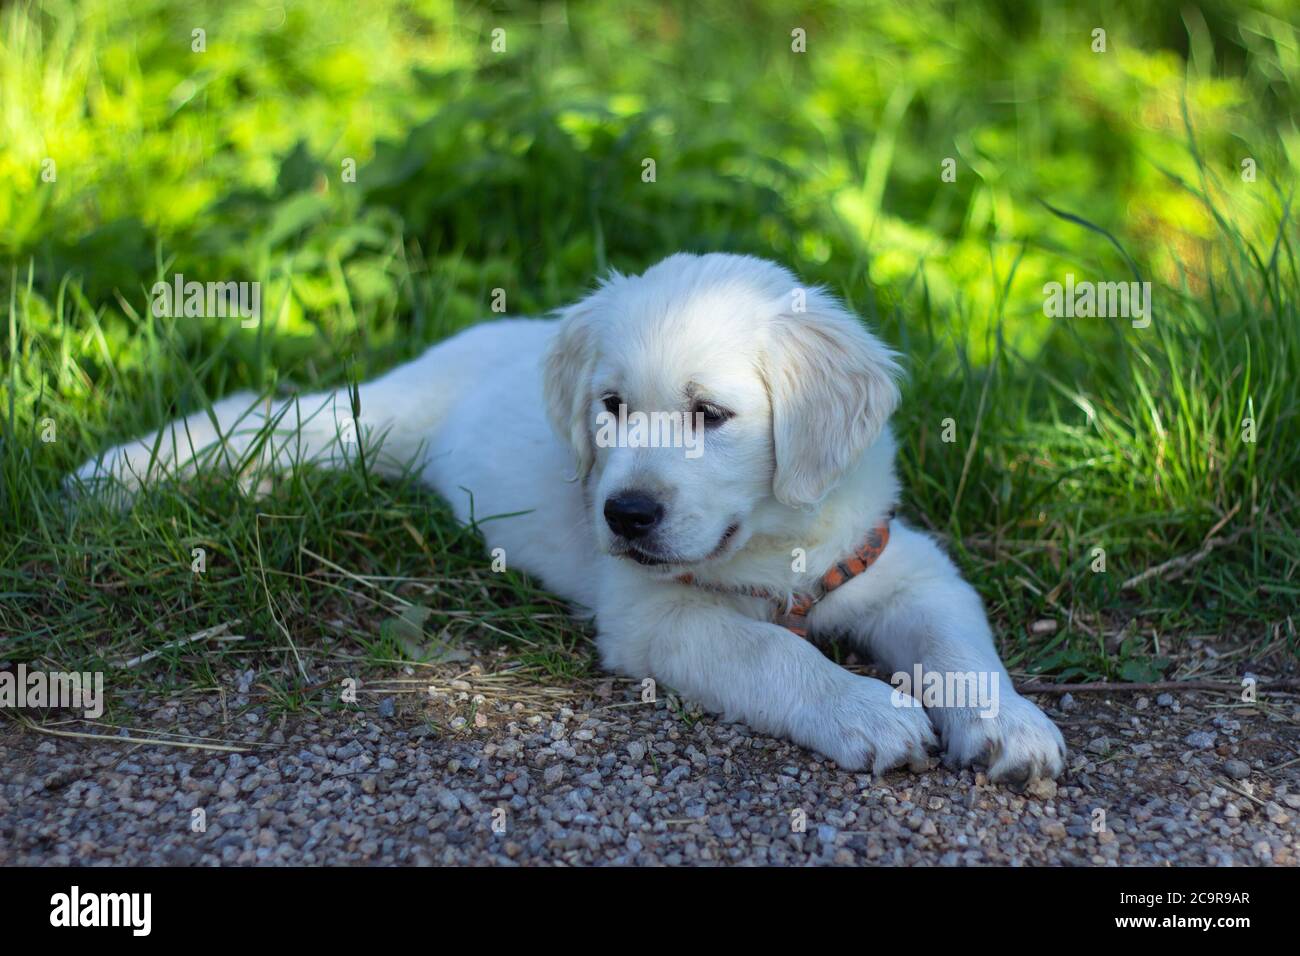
[{"x": 803, "y": 465}]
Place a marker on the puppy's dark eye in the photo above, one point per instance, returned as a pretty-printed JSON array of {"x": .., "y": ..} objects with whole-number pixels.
[
  {"x": 713, "y": 414},
  {"x": 611, "y": 403}
]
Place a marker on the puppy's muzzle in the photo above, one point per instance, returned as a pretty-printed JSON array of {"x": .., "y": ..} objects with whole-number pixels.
[{"x": 632, "y": 514}]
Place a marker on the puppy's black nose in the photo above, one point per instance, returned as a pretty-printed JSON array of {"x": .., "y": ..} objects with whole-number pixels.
[{"x": 632, "y": 514}]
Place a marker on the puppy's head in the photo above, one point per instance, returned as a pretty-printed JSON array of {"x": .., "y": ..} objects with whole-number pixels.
[{"x": 704, "y": 388}]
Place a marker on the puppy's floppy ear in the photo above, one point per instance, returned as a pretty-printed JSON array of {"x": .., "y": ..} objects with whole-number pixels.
[
  {"x": 567, "y": 368},
  {"x": 833, "y": 386}
]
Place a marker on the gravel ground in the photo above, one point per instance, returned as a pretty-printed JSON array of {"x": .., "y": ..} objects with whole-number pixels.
[{"x": 598, "y": 777}]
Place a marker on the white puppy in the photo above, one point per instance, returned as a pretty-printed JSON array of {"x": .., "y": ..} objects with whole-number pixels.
[{"x": 691, "y": 558}]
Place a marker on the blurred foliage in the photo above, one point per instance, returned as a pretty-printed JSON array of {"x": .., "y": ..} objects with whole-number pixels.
[{"x": 522, "y": 168}]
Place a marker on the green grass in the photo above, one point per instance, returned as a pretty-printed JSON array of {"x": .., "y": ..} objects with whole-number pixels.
[{"x": 521, "y": 171}]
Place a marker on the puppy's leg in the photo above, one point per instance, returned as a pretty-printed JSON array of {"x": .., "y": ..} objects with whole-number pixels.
[
  {"x": 398, "y": 411},
  {"x": 753, "y": 671},
  {"x": 913, "y": 608},
  {"x": 238, "y": 432}
]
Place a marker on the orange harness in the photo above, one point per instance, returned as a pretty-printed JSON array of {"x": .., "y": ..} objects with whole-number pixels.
[{"x": 793, "y": 617}]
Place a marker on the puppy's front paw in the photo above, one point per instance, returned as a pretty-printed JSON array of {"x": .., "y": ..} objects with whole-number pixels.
[
  {"x": 1018, "y": 743},
  {"x": 861, "y": 726}
]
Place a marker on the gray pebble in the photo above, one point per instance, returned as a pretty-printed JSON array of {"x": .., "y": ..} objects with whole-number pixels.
[{"x": 1236, "y": 769}]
